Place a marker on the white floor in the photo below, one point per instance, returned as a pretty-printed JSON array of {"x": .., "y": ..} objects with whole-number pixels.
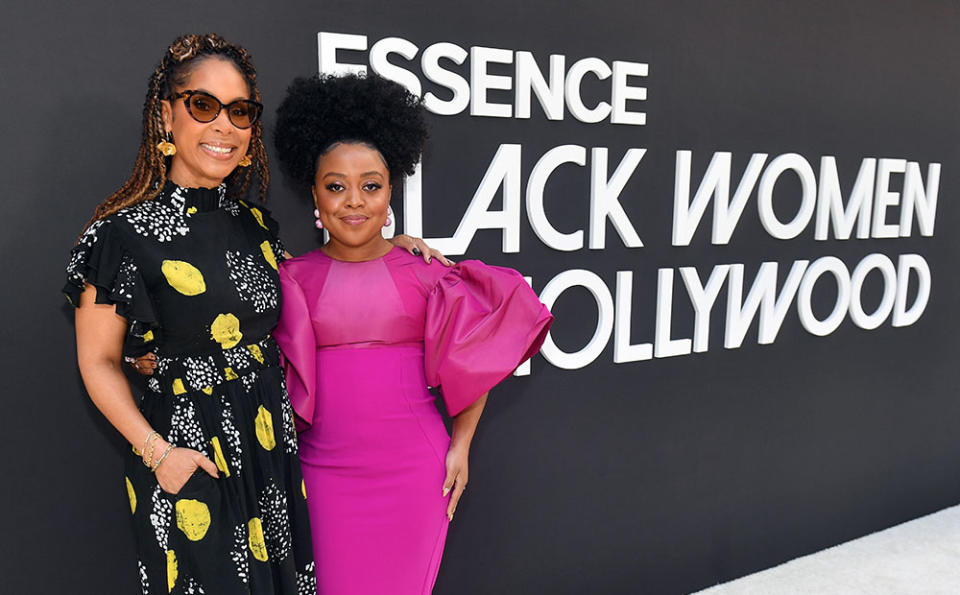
[{"x": 918, "y": 557}]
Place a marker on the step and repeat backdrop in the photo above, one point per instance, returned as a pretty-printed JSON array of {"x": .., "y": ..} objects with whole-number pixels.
[{"x": 741, "y": 215}]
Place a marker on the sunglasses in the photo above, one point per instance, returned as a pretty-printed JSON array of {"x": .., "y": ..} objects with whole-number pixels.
[{"x": 204, "y": 107}]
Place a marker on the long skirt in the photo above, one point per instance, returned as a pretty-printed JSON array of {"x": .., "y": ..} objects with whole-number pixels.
[
  {"x": 245, "y": 532},
  {"x": 373, "y": 461}
]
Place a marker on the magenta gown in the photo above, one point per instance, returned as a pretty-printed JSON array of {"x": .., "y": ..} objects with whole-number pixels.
[{"x": 362, "y": 341}]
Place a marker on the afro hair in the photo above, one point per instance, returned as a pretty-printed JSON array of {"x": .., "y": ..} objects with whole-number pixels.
[{"x": 322, "y": 110}]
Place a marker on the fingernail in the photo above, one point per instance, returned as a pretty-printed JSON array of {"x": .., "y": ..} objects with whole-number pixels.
[
  {"x": 450, "y": 516},
  {"x": 445, "y": 492}
]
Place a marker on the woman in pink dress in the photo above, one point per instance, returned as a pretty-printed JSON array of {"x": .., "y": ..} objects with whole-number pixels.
[{"x": 366, "y": 329}]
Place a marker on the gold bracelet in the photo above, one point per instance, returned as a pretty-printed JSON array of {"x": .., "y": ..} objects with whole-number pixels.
[
  {"x": 163, "y": 456},
  {"x": 148, "y": 459},
  {"x": 147, "y": 454},
  {"x": 147, "y": 439}
]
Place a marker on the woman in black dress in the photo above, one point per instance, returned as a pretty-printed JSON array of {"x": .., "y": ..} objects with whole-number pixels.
[{"x": 175, "y": 262}]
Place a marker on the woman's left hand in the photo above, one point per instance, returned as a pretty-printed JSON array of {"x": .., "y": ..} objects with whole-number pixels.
[
  {"x": 457, "y": 474},
  {"x": 418, "y": 247}
]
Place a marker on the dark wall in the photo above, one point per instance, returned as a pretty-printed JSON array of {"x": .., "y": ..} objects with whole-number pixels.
[{"x": 657, "y": 476}]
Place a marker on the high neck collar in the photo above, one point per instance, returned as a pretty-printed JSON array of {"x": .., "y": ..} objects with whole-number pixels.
[{"x": 195, "y": 200}]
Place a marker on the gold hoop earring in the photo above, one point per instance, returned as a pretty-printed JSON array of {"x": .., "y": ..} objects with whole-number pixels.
[
  {"x": 245, "y": 162},
  {"x": 166, "y": 147}
]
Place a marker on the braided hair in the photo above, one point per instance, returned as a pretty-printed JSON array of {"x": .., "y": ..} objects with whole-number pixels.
[{"x": 150, "y": 170}]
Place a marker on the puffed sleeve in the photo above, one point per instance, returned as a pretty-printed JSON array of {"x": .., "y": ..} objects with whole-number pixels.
[
  {"x": 102, "y": 259},
  {"x": 481, "y": 323},
  {"x": 294, "y": 335}
]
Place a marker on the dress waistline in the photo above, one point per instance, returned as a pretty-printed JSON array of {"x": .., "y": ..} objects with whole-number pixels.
[
  {"x": 177, "y": 375},
  {"x": 417, "y": 345}
]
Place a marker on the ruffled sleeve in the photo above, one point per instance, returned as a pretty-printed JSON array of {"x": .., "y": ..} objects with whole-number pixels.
[
  {"x": 101, "y": 259},
  {"x": 271, "y": 226},
  {"x": 481, "y": 323},
  {"x": 294, "y": 335}
]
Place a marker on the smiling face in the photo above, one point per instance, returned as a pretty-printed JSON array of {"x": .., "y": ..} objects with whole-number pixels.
[
  {"x": 207, "y": 152},
  {"x": 352, "y": 192}
]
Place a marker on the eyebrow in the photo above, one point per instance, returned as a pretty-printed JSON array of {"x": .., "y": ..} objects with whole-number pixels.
[
  {"x": 214, "y": 95},
  {"x": 338, "y": 174}
]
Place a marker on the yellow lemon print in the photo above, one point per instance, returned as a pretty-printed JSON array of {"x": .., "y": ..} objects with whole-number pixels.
[
  {"x": 225, "y": 330},
  {"x": 207, "y": 390},
  {"x": 148, "y": 336},
  {"x": 172, "y": 570},
  {"x": 303, "y": 488},
  {"x": 183, "y": 276},
  {"x": 264, "y": 425},
  {"x": 257, "y": 546},
  {"x": 229, "y": 374},
  {"x": 218, "y": 457},
  {"x": 193, "y": 518},
  {"x": 258, "y": 216},
  {"x": 178, "y": 387},
  {"x": 257, "y": 354},
  {"x": 132, "y": 495},
  {"x": 268, "y": 254}
]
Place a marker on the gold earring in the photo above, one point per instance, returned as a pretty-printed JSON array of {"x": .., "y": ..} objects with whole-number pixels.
[
  {"x": 166, "y": 147},
  {"x": 245, "y": 162}
]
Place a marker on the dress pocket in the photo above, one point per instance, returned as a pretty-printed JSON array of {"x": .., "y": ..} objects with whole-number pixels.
[{"x": 196, "y": 483}]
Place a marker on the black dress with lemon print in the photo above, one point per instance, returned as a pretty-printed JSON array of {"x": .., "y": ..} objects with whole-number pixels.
[{"x": 194, "y": 271}]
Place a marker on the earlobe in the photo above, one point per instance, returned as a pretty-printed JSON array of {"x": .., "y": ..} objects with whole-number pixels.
[{"x": 166, "y": 115}]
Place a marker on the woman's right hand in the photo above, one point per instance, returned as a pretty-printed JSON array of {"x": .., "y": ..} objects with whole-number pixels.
[{"x": 179, "y": 465}]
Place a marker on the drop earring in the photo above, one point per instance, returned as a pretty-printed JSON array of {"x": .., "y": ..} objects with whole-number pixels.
[
  {"x": 318, "y": 223},
  {"x": 389, "y": 217},
  {"x": 245, "y": 162},
  {"x": 167, "y": 147}
]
